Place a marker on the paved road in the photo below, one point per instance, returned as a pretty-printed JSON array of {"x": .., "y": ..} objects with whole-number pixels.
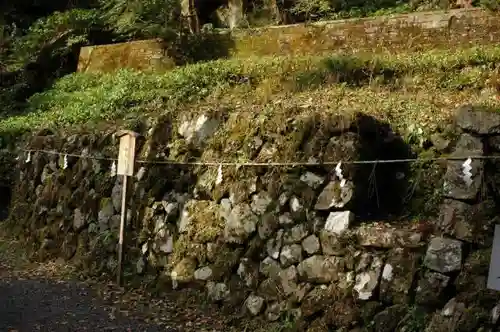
[{"x": 43, "y": 305}]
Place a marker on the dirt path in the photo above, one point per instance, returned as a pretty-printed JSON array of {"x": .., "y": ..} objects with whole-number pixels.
[
  {"x": 43, "y": 305},
  {"x": 47, "y": 297}
]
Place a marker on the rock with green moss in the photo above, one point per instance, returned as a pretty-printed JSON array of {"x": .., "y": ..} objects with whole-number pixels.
[
  {"x": 457, "y": 316},
  {"x": 248, "y": 271},
  {"x": 296, "y": 234},
  {"x": 269, "y": 267},
  {"x": 105, "y": 213},
  {"x": 430, "y": 288},
  {"x": 467, "y": 222},
  {"x": 184, "y": 270},
  {"x": 319, "y": 298},
  {"x": 201, "y": 221},
  {"x": 388, "y": 320},
  {"x": 397, "y": 276},
  {"x": 478, "y": 120},
  {"x": 343, "y": 314},
  {"x": 289, "y": 280}
]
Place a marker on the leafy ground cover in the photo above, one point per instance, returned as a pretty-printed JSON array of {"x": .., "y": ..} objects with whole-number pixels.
[{"x": 421, "y": 87}]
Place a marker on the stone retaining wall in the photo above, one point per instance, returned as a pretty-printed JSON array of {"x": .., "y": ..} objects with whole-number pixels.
[{"x": 296, "y": 242}]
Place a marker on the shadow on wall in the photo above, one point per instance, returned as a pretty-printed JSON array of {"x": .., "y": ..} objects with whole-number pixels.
[
  {"x": 5, "y": 196},
  {"x": 380, "y": 190},
  {"x": 205, "y": 46}
]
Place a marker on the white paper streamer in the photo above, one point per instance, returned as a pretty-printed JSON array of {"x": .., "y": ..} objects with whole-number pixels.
[
  {"x": 113, "y": 169},
  {"x": 466, "y": 169},
  {"x": 28, "y": 159},
  {"x": 219, "y": 176},
  {"x": 338, "y": 172}
]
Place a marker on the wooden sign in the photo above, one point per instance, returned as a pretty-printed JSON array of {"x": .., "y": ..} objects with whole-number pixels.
[
  {"x": 494, "y": 272},
  {"x": 126, "y": 156}
]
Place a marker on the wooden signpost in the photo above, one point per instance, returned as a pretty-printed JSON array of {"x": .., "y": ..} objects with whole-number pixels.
[{"x": 126, "y": 159}]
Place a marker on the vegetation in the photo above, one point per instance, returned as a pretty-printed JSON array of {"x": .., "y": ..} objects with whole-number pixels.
[
  {"x": 82, "y": 98},
  {"x": 40, "y": 43}
]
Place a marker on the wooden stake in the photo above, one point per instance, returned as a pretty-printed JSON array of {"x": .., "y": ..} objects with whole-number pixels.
[
  {"x": 122, "y": 231},
  {"x": 125, "y": 168}
]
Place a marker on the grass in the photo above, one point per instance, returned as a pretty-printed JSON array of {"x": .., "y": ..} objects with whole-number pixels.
[{"x": 399, "y": 83}]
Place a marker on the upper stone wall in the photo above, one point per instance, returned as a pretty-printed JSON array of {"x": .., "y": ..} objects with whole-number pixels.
[
  {"x": 398, "y": 32},
  {"x": 140, "y": 55},
  {"x": 411, "y": 32}
]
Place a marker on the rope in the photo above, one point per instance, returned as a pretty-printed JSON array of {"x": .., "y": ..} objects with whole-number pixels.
[{"x": 268, "y": 164}]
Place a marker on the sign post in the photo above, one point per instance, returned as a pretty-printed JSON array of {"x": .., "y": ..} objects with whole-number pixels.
[{"x": 126, "y": 159}]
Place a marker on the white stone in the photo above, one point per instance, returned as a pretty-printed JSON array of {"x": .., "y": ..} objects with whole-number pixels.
[
  {"x": 184, "y": 222},
  {"x": 285, "y": 219},
  {"x": 311, "y": 244},
  {"x": 254, "y": 304},
  {"x": 283, "y": 199},
  {"x": 295, "y": 205},
  {"x": 452, "y": 307},
  {"x": 261, "y": 202},
  {"x": 338, "y": 222},
  {"x": 312, "y": 180},
  {"x": 199, "y": 130},
  {"x": 290, "y": 255},
  {"x": 204, "y": 273},
  {"x": 367, "y": 282},
  {"x": 387, "y": 272}
]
